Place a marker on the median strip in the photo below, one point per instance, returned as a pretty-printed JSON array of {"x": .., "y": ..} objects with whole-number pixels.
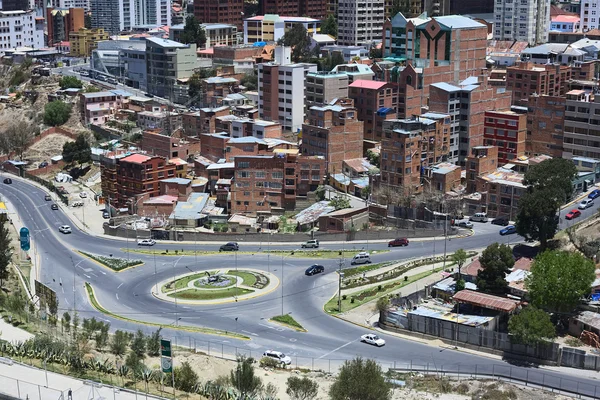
[
  {"x": 288, "y": 321},
  {"x": 325, "y": 254},
  {"x": 115, "y": 264},
  {"x": 94, "y": 301}
]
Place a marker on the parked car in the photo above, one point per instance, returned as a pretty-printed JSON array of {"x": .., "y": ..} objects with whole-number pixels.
[
  {"x": 586, "y": 203},
  {"x": 83, "y": 195},
  {"x": 501, "y": 220},
  {"x": 509, "y": 230},
  {"x": 54, "y": 206},
  {"x": 479, "y": 217},
  {"x": 361, "y": 258},
  {"x": 231, "y": 246},
  {"x": 465, "y": 224},
  {"x": 398, "y": 242},
  {"x": 573, "y": 214},
  {"x": 8, "y": 181},
  {"x": 64, "y": 229},
  {"x": 371, "y": 338},
  {"x": 146, "y": 242},
  {"x": 594, "y": 194},
  {"x": 311, "y": 244},
  {"x": 105, "y": 215},
  {"x": 77, "y": 204},
  {"x": 279, "y": 356},
  {"x": 43, "y": 164},
  {"x": 47, "y": 197},
  {"x": 314, "y": 269}
]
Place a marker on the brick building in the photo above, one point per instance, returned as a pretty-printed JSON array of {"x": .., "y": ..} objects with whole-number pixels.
[
  {"x": 506, "y": 130},
  {"x": 482, "y": 160},
  {"x": 582, "y": 131},
  {"x": 309, "y": 8},
  {"x": 243, "y": 127},
  {"x": 333, "y": 132},
  {"x": 223, "y": 12},
  {"x": 202, "y": 121},
  {"x": 445, "y": 177},
  {"x": 545, "y": 125},
  {"x": 153, "y": 142},
  {"x": 61, "y": 22},
  {"x": 370, "y": 97},
  {"x": 501, "y": 190},
  {"x": 526, "y": 79},
  {"x": 216, "y": 88}
]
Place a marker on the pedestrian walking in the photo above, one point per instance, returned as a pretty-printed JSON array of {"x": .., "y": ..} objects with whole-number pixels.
[{"x": 70, "y": 395}]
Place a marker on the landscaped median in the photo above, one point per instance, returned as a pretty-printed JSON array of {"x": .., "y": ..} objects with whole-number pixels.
[
  {"x": 115, "y": 263},
  {"x": 322, "y": 254},
  {"x": 289, "y": 321},
  {"x": 209, "y": 331}
]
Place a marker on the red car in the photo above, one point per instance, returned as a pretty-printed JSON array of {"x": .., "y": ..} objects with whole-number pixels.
[
  {"x": 398, "y": 242},
  {"x": 573, "y": 214}
]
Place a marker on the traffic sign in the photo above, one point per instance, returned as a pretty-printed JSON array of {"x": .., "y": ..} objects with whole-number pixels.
[
  {"x": 166, "y": 364},
  {"x": 25, "y": 239},
  {"x": 165, "y": 348}
]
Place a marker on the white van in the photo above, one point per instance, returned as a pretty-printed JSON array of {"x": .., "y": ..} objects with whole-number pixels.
[
  {"x": 479, "y": 217},
  {"x": 361, "y": 258}
]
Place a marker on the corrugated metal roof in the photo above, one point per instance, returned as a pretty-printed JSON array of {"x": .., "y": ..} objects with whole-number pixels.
[{"x": 486, "y": 301}]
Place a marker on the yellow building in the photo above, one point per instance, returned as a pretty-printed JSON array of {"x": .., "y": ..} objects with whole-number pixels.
[{"x": 85, "y": 40}]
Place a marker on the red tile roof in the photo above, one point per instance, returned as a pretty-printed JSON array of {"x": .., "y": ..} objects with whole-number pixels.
[
  {"x": 523, "y": 263},
  {"x": 365, "y": 84},
  {"x": 486, "y": 301},
  {"x": 136, "y": 158},
  {"x": 472, "y": 268}
]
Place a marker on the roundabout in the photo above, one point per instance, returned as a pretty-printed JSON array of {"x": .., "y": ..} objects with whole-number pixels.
[{"x": 216, "y": 286}]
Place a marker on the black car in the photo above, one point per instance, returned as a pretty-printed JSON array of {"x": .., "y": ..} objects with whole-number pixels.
[
  {"x": 502, "y": 220},
  {"x": 54, "y": 207},
  {"x": 8, "y": 181},
  {"x": 47, "y": 197},
  {"x": 314, "y": 269},
  {"x": 231, "y": 246}
]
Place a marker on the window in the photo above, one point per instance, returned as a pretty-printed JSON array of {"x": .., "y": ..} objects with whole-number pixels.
[
  {"x": 244, "y": 164},
  {"x": 277, "y": 175},
  {"x": 260, "y": 174},
  {"x": 243, "y": 174}
]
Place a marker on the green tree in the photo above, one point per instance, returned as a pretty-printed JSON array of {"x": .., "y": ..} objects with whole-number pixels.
[
  {"x": 101, "y": 336},
  {"x": 66, "y": 321},
  {"x": 329, "y": 26},
  {"x": 373, "y": 158},
  {"x": 460, "y": 258},
  {"x": 78, "y": 151},
  {"x": 250, "y": 81},
  {"x": 6, "y": 251},
  {"x": 375, "y": 52},
  {"x": 134, "y": 363},
  {"x": 297, "y": 38},
  {"x": 67, "y": 82},
  {"x": 339, "y": 202},
  {"x": 320, "y": 193},
  {"x": 153, "y": 343},
  {"x": 531, "y": 326},
  {"x": 138, "y": 345},
  {"x": 365, "y": 192},
  {"x": 559, "y": 280},
  {"x": 382, "y": 304},
  {"x": 185, "y": 377},
  {"x": 302, "y": 388},
  {"x": 56, "y": 113},
  {"x": 243, "y": 378},
  {"x": 119, "y": 343},
  {"x": 75, "y": 325},
  {"x": 193, "y": 32},
  {"x": 460, "y": 285},
  {"x": 496, "y": 261},
  {"x": 360, "y": 380}
]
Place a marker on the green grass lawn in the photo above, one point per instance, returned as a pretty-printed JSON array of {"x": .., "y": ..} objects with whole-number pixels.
[
  {"x": 249, "y": 279},
  {"x": 183, "y": 282},
  {"x": 194, "y": 294},
  {"x": 288, "y": 320},
  {"x": 348, "y": 272}
]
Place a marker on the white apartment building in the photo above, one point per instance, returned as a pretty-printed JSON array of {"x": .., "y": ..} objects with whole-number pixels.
[
  {"x": 589, "y": 15},
  {"x": 20, "y": 29},
  {"x": 85, "y": 4},
  {"x": 123, "y": 15},
  {"x": 523, "y": 20},
  {"x": 360, "y": 22}
]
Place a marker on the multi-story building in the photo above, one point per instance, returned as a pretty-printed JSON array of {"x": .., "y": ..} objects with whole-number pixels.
[
  {"x": 162, "y": 121},
  {"x": 589, "y": 15},
  {"x": 324, "y": 87},
  {"x": 545, "y": 125},
  {"x": 582, "y": 125},
  {"x": 466, "y": 104},
  {"x": 481, "y": 160},
  {"x": 14, "y": 5},
  {"x": 228, "y": 12},
  {"x": 565, "y": 23},
  {"x": 370, "y": 97},
  {"x": 348, "y": 53},
  {"x": 216, "y": 88},
  {"x": 360, "y": 23},
  {"x": 20, "y": 29},
  {"x": 115, "y": 16},
  {"x": 281, "y": 90},
  {"x": 500, "y": 191},
  {"x": 409, "y": 146},
  {"x": 355, "y": 71},
  {"x": 506, "y": 130},
  {"x": 310, "y": 8},
  {"x": 84, "y": 41},
  {"x": 166, "y": 62},
  {"x": 85, "y": 4},
  {"x": 527, "y": 20},
  {"x": 526, "y": 79},
  {"x": 61, "y": 22},
  {"x": 169, "y": 147},
  {"x": 216, "y": 34},
  {"x": 203, "y": 121},
  {"x": 445, "y": 177},
  {"x": 96, "y": 108},
  {"x": 271, "y": 28},
  {"x": 334, "y": 133}
]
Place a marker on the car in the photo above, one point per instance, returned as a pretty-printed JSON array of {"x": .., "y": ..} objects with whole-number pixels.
[
  {"x": 312, "y": 244},
  {"x": 501, "y": 220},
  {"x": 279, "y": 356},
  {"x": 47, "y": 197},
  {"x": 361, "y": 258},
  {"x": 77, "y": 204},
  {"x": 64, "y": 229},
  {"x": 586, "y": 203},
  {"x": 314, "y": 269},
  {"x": 83, "y": 195},
  {"x": 54, "y": 206},
  {"x": 573, "y": 214},
  {"x": 371, "y": 338},
  {"x": 398, "y": 242},
  {"x": 146, "y": 242},
  {"x": 594, "y": 194},
  {"x": 231, "y": 246},
  {"x": 8, "y": 181},
  {"x": 465, "y": 224},
  {"x": 509, "y": 230},
  {"x": 105, "y": 215},
  {"x": 43, "y": 164},
  {"x": 479, "y": 217}
]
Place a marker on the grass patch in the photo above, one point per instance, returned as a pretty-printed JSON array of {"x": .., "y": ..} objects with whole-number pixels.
[
  {"x": 181, "y": 283},
  {"x": 114, "y": 263},
  {"x": 248, "y": 278},
  {"x": 216, "y": 285},
  {"x": 97, "y": 306},
  {"x": 289, "y": 321},
  {"x": 349, "y": 272},
  {"x": 194, "y": 294}
]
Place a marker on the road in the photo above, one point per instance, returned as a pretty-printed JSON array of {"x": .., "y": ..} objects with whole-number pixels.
[{"x": 328, "y": 338}]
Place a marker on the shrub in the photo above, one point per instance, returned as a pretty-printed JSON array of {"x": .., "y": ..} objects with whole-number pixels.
[
  {"x": 268, "y": 362},
  {"x": 56, "y": 113},
  {"x": 344, "y": 297},
  {"x": 379, "y": 288}
]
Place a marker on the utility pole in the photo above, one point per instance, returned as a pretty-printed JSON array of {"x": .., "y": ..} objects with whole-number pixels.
[
  {"x": 340, "y": 274},
  {"x": 445, "y": 230}
]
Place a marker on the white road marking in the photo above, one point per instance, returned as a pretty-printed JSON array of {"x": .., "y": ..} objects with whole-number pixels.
[
  {"x": 334, "y": 350},
  {"x": 120, "y": 285},
  {"x": 250, "y": 333},
  {"x": 87, "y": 276},
  {"x": 117, "y": 294}
]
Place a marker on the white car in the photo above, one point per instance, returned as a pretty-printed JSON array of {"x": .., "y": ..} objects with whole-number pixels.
[
  {"x": 83, "y": 195},
  {"x": 64, "y": 229},
  {"x": 279, "y": 356},
  {"x": 371, "y": 338},
  {"x": 146, "y": 242},
  {"x": 587, "y": 203}
]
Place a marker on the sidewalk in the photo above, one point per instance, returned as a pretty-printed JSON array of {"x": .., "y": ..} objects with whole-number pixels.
[{"x": 13, "y": 334}]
